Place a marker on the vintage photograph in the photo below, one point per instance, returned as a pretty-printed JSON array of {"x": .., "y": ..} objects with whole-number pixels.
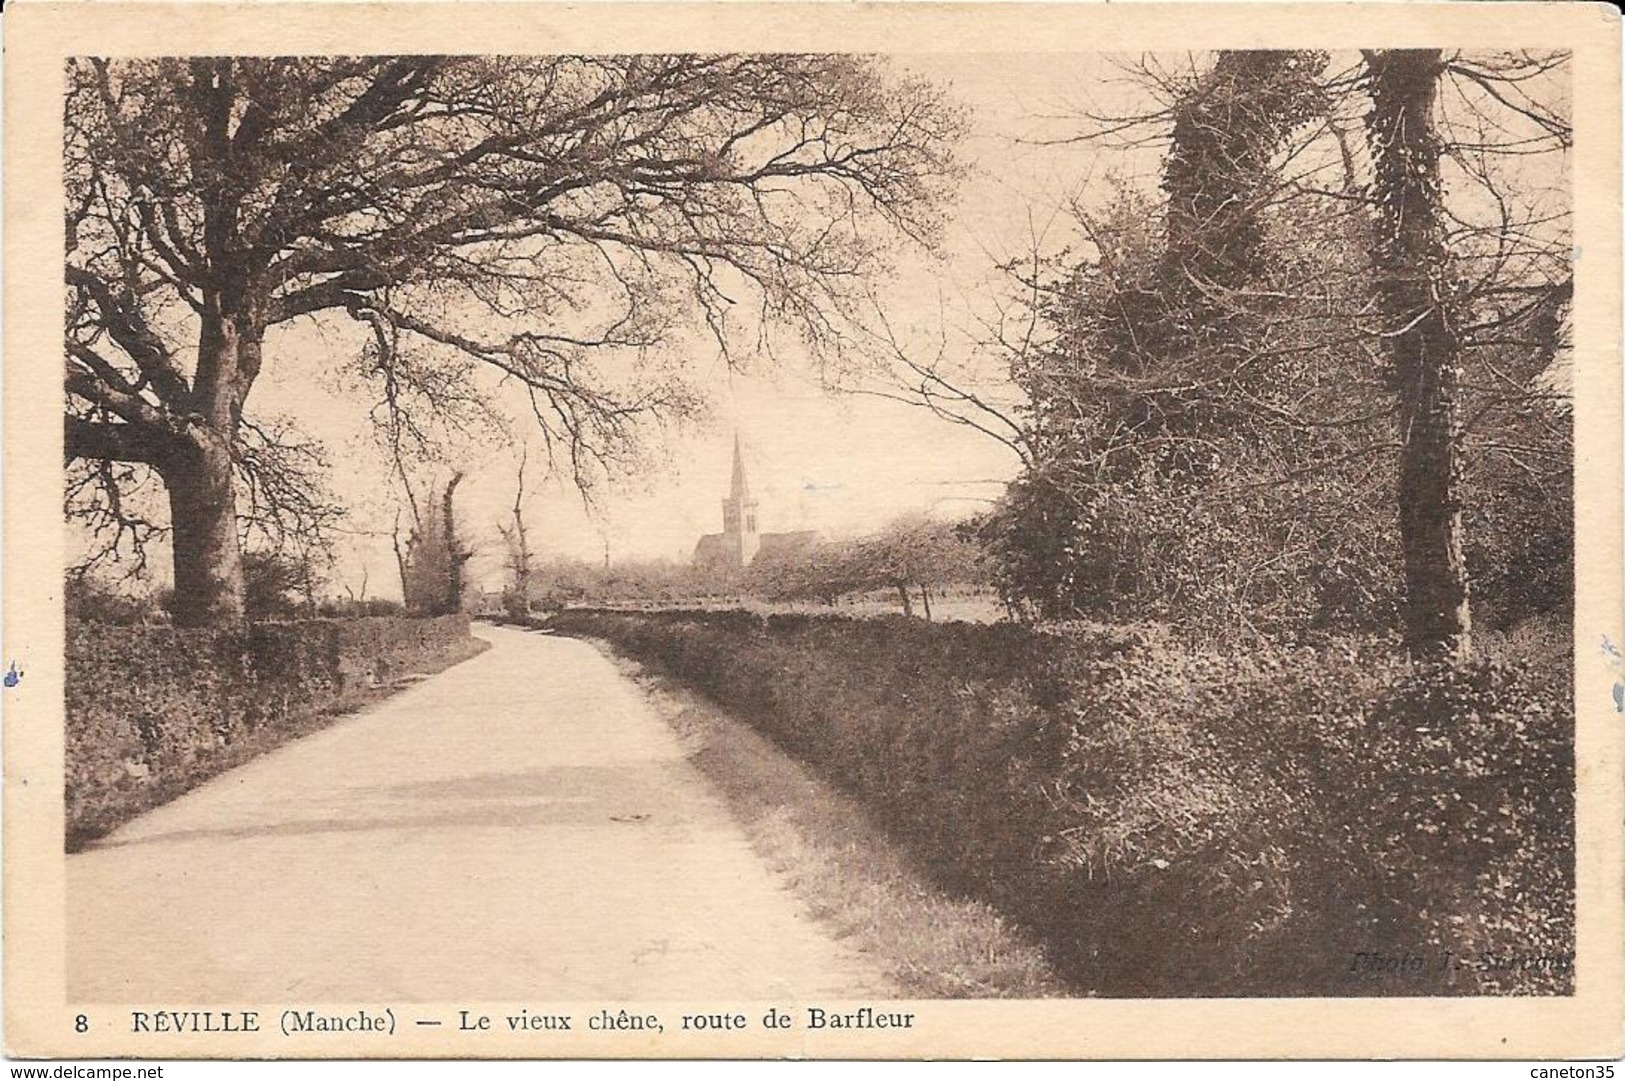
[{"x": 820, "y": 531}]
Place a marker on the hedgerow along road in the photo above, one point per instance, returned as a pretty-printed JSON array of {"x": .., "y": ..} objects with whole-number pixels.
[{"x": 520, "y": 826}]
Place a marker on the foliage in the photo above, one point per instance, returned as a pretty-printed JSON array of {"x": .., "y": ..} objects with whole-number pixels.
[
  {"x": 432, "y": 559},
  {"x": 911, "y": 553},
  {"x": 1168, "y": 482},
  {"x": 1180, "y": 823},
  {"x": 914, "y": 555},
  {"x": 207, "y": 699},
  {"x": 560, "y": 582},
  {"x": 91, "y": 599},
  {"x": 1210, "y": 435},
  {"x": 1500, "y": 834},
  {"x": 351, "y": 608},
  {"x": 1227, "y": 126},
  {"x": 277, "y": 585}
]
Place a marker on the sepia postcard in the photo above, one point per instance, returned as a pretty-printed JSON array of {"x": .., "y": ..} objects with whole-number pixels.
[{"x": 813, "y": 530}]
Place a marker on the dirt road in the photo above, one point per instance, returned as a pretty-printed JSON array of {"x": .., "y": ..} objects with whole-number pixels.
[{"x": 520, "y": 827}]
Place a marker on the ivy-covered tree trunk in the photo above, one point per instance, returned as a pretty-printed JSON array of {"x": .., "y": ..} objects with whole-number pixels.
[
  {"x": 456, "y": 554},
  {"x": 1227, "y": 131},
  {"x": 1424, "y": 346},
  {"x": 431, "y": 562}
]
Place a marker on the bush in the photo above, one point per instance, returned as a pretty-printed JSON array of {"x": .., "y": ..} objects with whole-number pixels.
[
  {"x": 1179, "y": 823},
  {"x": 345, "y": 608},
  {"x": 94, "y": 601},
  {"x": 152, "y": 711},
  {"x": 515, "y": 604},
  {"x": 276, "y": 585}
]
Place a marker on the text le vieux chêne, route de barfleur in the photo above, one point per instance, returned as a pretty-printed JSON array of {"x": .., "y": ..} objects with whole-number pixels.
[{"x": 299, "y": 1022}]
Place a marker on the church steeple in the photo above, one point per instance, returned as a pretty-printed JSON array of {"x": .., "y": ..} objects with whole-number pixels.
[
  {"x": 741, "y": 490},
  {"x": 739, "y": 515}
]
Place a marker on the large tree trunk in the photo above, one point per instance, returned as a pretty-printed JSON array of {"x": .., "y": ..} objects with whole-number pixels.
[
  {"x": 203, "y": 519},
  {"x": 201, "y": 478},
  {"x": 1424, "y": 347}
]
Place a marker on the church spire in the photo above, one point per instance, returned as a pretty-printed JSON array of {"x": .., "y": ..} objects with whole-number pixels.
[
  {"x": 741, "y": 490},
  {"x": 739, "y": 512}
]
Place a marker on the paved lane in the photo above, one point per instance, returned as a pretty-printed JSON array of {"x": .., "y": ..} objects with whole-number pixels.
[{"x": 520, "y": 827}]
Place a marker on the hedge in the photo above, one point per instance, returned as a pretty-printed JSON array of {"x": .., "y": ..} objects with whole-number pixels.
[
  {"x": 154, "y": 710},
  {"x": 1327, "y": 820}
]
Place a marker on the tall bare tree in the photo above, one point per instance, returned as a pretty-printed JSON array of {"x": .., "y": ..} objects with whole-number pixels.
[
  {"x": 520, "y": 558},
  {"x": 533, "y": 218}
]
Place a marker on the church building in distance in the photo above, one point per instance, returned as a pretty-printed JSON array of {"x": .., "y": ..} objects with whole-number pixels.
[{"x": 741, "y": 542}]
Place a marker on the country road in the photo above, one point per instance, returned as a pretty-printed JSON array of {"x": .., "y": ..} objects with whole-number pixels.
[{"x": 521, "y": 827}]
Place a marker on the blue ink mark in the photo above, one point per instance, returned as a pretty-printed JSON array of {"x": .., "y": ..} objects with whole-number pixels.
[
  {"x": 13, "y": 676},
  {"x": 1616, "y": 662}
]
